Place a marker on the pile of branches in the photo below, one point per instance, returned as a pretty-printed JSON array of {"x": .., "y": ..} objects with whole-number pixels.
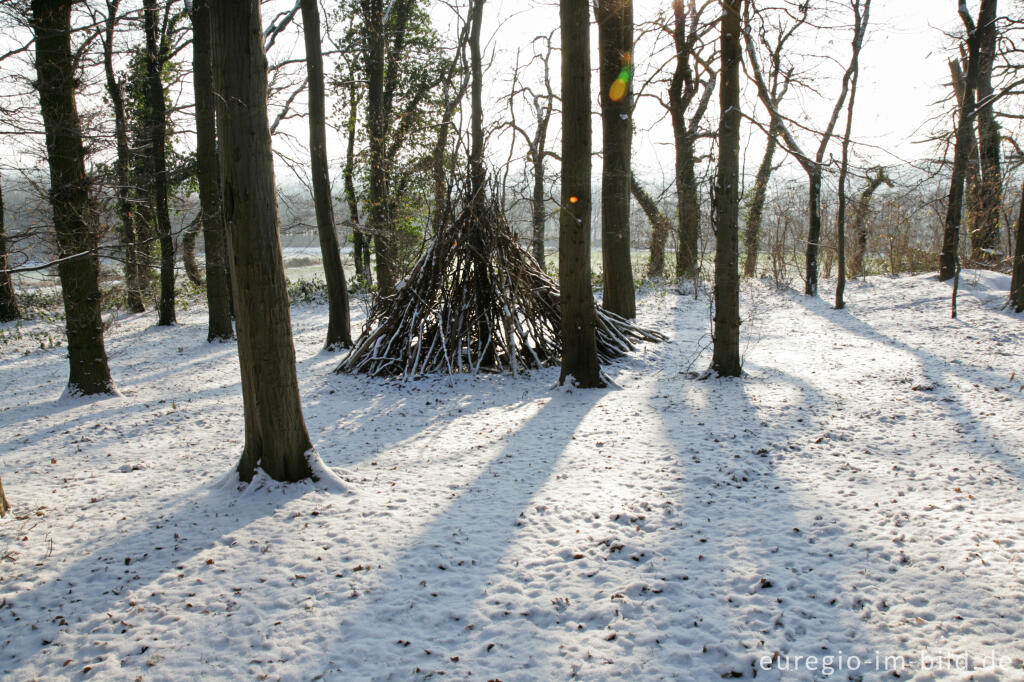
[{"x": 475, "y": 301}]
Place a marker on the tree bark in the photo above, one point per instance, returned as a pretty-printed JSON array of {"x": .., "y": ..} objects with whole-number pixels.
[
  {"x": 4, "y": 505},
  {"x": 157, "y": 120},
  {"x": 752, "y": 231},
  {"x": 844, "y": 164},
  {"x": 660, "y": 226},
  {"x": 188, "y": 255},
  {"x": 339, "y": 326},
  {"x": 1017, "y": 281},
  {"x": 276, "y": 439},
  {"x": 961, "y": 149},
  {"x": 985, "y": 238},
  {"x": 75, "y": 219},
  {"x": 218, "y": 286},
  {"x": 134, "y": 275},
  {"x": 615, "y": 47},
  {"x": 726, "y": 354},
  {"x": 856, "y": 263},
  {"x": 8, "y": 299},
  {"x": 374, "y": 55},
  {"x": 360, "y": 241},
  {"x": 972, "y": 173},
  {"x": 579, "y": 342}
]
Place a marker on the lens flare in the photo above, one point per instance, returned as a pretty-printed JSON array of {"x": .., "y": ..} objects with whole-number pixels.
[{"x": 620, "y": 87}]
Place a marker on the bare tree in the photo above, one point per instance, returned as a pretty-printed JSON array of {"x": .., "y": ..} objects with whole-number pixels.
[
  {"x": 660, "y": 226},
  {"x": 579, "y": 342},
  {"x": 218, "y": 287},
  {"x": 75, "y": 220},
  {"x": 726, "y": 355},
  {"x": 536, "y": 146},
  {"x": 1017, "y": 281},
  {"x": 615, "y": 49},
  {"x": 812, "y": 166},
  {"x": 860, "y": 214},
  {"x": 134, "y": 274},
  {"x": 860, "y": 21},
  {"x": 949, "y": 259},
  {"x": 779, "y": 77},
  {"x": 276, "y": 439},
  {"x": 985, "y": 237},
  {"x": 156, "y": 111},
  {"x": 339, "y": 332}
]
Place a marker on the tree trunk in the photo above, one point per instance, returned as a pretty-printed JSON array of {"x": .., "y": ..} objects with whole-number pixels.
[
  {"x": 726, "y": 355},
  {"x": 856, "y": 262},
  {"x": 4, "y": 505},
  {"x": 276, "y": 439},
  {"x": 1017, "y": 282},
  {"x": 954, "y": 209},
  {"x": 339, "y": 326},
  {"x": 218, "y": 288},
  {"x": 814, "y": 230},
  {"x": 752, "y": 233},
  {"x": 985, "y": 238},
  {"x": 660, "y": 226},
  {"x": 133, "y": 272},
  {"x": 157, "y": 120},
  {"x": 378, "y": 218},
  {"x": 615, "y": 47},
  {"x": 579, "y": 342},
  {"x": 539, "y": 215},
  {"x": 688, "y": 201},
  {"x": 360, "y": 242},
  {"x": 188, "y": 254},
  {"x": 972, "y": 173},
  {"x": 8, "y": 299},
  {"x": 75, "y": 219},
  {"x": 844, "y": 165}
]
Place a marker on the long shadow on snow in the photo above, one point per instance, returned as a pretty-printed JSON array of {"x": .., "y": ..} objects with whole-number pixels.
[
  {"x": 934, "y": 368},
  {"x": 461, "y": 548},
  {"x": 110, "y": 572},
  {"x": 758, "y": 570}
]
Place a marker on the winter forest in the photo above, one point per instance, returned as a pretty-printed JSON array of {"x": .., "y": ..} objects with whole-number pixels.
[{"x": 511, "y": 339}]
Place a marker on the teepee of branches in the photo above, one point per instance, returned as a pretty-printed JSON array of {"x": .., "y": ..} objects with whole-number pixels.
[{"x": 475, "y": 301}]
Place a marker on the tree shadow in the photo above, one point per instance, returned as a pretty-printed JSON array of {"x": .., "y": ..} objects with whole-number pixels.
[{"x": 457, "y": 553}]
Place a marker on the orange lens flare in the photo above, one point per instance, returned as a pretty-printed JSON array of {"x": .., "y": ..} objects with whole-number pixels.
[{"x": 573, "y": 200}]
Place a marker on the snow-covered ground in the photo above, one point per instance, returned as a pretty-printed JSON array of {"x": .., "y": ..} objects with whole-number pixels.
[{"x": 850, "y": 508}]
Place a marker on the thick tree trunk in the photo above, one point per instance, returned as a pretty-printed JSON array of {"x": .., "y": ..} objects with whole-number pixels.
[
  {"x": 218, "y": 287},
  {"x": 157, "y": 126},
  {"x": 4, "y": 505},
  {"x": 954, "y": 208},
  {"x": 752, "y": 232},
  {"x": 133, "y": 272},
  {"x": 75, "y": 219},
  {"x": 339, "y": 327},
  {"x": 8, "y": 299},
  {"x": 276, "y": 439},
  {"x": 687, "y": 201},
  {"x": 1017, "y": 282},
  {"x": 726, "y": 355},
  {"x": 660, "y": 226},
  {"x": 985, "y": 238},
  {"x": 579, "y": 342},
  {"x": 615, "y": 47},
  {"x": 972, "y": 173}
]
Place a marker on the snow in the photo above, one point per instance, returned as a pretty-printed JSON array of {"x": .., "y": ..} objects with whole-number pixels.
[{"x": 854, "y": 498}]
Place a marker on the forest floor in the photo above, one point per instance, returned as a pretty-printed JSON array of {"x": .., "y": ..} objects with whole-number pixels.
[{"x": 851, "y": 508}]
